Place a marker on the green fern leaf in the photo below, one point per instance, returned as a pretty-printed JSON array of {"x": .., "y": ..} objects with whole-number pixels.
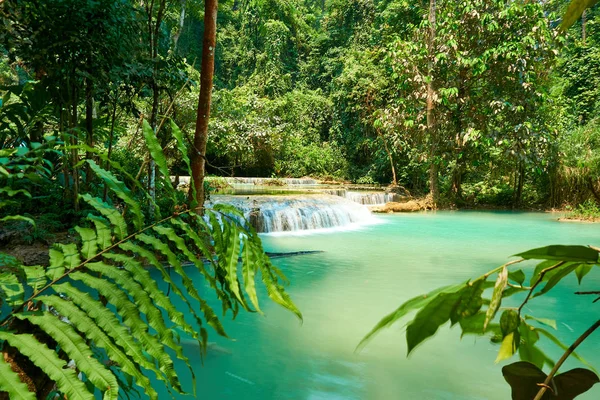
[
  {"x": 17, "y": 218},
  {"x": 71, "y": 255},
  {"x": 12, "y": 384},
  {"x": 275, "y": 291},
  {"x": 92, "y": 331},
  {"x": 249, "y": 267},
  {"x": 115, "y": 218},
  {"x": 163, "y": 248},
  {"x": 89, "y": 245},
  {"x": 78, "y": 351},
  {"x": 128, "y": 246},
  {"x": 158, "y": 156},
  {"x": 47, "y": 360},
  {"x": 121, "y": 191},
  {"x": 230, "y": 257},
  {"x": 183, "y": 151},
  {"x": 142, "y": 299},
  {"x": 11, "y": 289},
  {"x": 128, "y": 311},
  {"x": 106, "y": 320},
  {"x": 103, "y": 232},
  {"x": 36, "y": 277},
  {"x": 10, "y": 192}
]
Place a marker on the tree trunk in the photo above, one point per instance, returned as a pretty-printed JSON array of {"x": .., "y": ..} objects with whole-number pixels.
[
  {"x": 520, "y": 180},
  {"x": 111, "y": 135},
  {"x": 74, "y": 151},
  {"x": 434, "y": 190},
  {"x": 203, "y": 115},
  {"x": 89, "y": 127},
  {"x": 181, "y": 22},
  {"x": 389, "y": 153}
]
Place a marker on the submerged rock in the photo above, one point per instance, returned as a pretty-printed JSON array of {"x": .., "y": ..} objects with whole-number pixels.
[{"x": 407, "y": 206}]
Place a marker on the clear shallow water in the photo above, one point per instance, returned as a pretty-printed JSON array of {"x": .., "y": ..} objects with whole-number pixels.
[{"x": 362, "y": 275}]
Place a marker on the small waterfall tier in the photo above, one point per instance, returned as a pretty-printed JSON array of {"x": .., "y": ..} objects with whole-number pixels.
[
  {"x": 366, "y": 198},
  {"x": 185, "y": 180},
  {"x": 298, "y": 213}
]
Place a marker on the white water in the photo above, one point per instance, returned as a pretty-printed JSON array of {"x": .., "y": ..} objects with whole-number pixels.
[
  {"x": 366, "y": 198},
  {"x": 270, "y": 214}
]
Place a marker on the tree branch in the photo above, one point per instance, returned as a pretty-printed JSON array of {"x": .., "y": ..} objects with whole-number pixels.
[
  {"x": 566, "y": 355},
  {"x": 540, "y": 279}
]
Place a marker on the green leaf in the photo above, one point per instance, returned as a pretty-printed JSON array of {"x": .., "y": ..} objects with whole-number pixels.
[
  {"x": 509, "y": 322},
  {"x": 430, "y": 318},
  {"x": 158, "y": 156},
  {"x": 91, "y": 329},
  {"x": 582, "y": 271},
  {"x": 47, "y": 360},
  {"x": 77, "y": 350},
  {"x": 181, "y": 146},
  {"x": 517, "y": 276},
  {"x": 274, "y": 290},
  {"x": 538, "y": 270},
  {"x": 561, "y": 253},
  {"x": 408, "y": 306},
  {"x": 556, "y": 277},
  {"x": 544, "y": 321},
  {"x": 121, "y": 191},
  {"x": 18, "y": 218},
  {"x": 12, "y": 384},
  {"x": 501, "y": 282},
  {"x": 89, "y": 246},
  {"x": 508, "y": 347},
  {"x": 115, "y": 218},
  {"x": 557, "y": 342},
  {"x": 103, "y": 233},
  {"x": 10, "y": 192},
  {"x": 470, "y": 301},
  {"x": 249, "y": 267},
  {"x": 574, "y": 11},
  {"x": 11, "y": 289}
]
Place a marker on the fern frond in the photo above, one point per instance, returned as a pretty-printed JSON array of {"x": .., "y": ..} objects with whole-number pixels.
[
  {"x": 12, "y": 384},
  {"x": 106, "y": 320},
  {"x": 11, "y": 289},
  {"x": 92, "y": 331},
  {"x": 275, "y": 291},
  {"x": 138, "y": 329},
  {"x": 158, "y": 156},
  {"x": 78, "y": 351},
  {"x": 115, "y": 218},
  {"x": 121, "y": 191},
  {"x": 36, "y": 277},
  {"x": 249, "y": 267},
  {"x": 89, "y": 242},
  {"x": 143, "y": 300},
  {"x": 181, "y": 146},
  {"x": 103, "y": 232},
  {"x": 47, "y": 360}
]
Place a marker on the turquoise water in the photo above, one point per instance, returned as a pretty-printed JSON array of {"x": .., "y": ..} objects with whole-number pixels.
[{"x": 364, "y": 274}]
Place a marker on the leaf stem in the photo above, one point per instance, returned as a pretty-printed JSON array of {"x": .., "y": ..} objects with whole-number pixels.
[
  {"x": 78, "y": 267},
  {"x": 539, "y": 280},
  {"x": 566, "y": 355}
]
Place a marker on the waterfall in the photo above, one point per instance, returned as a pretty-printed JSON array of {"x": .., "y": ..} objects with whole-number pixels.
[
  {"x": 298, "y": 213},
  {"x": 266, "y": 181},
  {"x": 366, "y": 198}
]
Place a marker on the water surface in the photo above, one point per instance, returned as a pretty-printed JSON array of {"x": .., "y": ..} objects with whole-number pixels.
[{"x": 362, "y": 275}]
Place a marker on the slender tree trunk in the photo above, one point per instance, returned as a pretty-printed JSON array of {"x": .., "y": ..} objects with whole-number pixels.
[
  {"x": 434, "y": 190},
  {"x": 111, "y": 135},
  {"x": 520, "y": 180},
  {"x": 74, "y": 152},
  {"x": 203, "y": 115},
  {"x": 389, "y": 153},
  {"x": 583, "y": 21},
  {"x": 181, "y": 22},
  {"x": 89, "y": 127}
]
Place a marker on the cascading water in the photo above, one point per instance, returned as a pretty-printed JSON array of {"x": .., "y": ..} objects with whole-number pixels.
[
  {"x": 294, "y": 213},
  {"x": 366, "y": 198}
]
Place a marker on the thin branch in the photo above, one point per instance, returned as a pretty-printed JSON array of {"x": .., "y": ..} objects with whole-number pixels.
[
  {"x": 539, "y": 280},
  {"x": 566, "y": 355}
]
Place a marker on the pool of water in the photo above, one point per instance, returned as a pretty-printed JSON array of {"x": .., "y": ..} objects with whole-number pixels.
[{"x": 362, "y": 275}]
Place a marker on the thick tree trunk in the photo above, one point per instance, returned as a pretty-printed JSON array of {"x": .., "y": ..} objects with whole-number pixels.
[
  {"x": 434, "y": 190},
  {"x": 203, "y": 115}
]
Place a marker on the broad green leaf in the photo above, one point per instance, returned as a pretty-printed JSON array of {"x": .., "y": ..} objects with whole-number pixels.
[
  {"x": 508, "y": 347},
  {"x": 11, "y": 289},
  {"x": 509, "y": 322},
  {"x": 10, "y": 192},
  {"x": 561, "y": 253},
  {"x": 544, "y": 321},
  {"x": 36, "y": 277},
  {"x": 582, "y": 270},
  {"x": 517, "y": 276},
  {"x": 408, "y": 306},
  {"x": 249, "y": 268},
  {"x": 501, "y": 282},
  {"x": 556, "y": 277},
  {"x": 103, "y": 233},
  {"x": 12, "y": 384},
  {"x": 89, "y": 246},
  {"x": 47, "y": 360},
  {"x": 470, "y": 301},
  {"x": 18, "y": 218},
  {"x": 539, "y": 268},
  {"x": 430, "y": 318}
]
